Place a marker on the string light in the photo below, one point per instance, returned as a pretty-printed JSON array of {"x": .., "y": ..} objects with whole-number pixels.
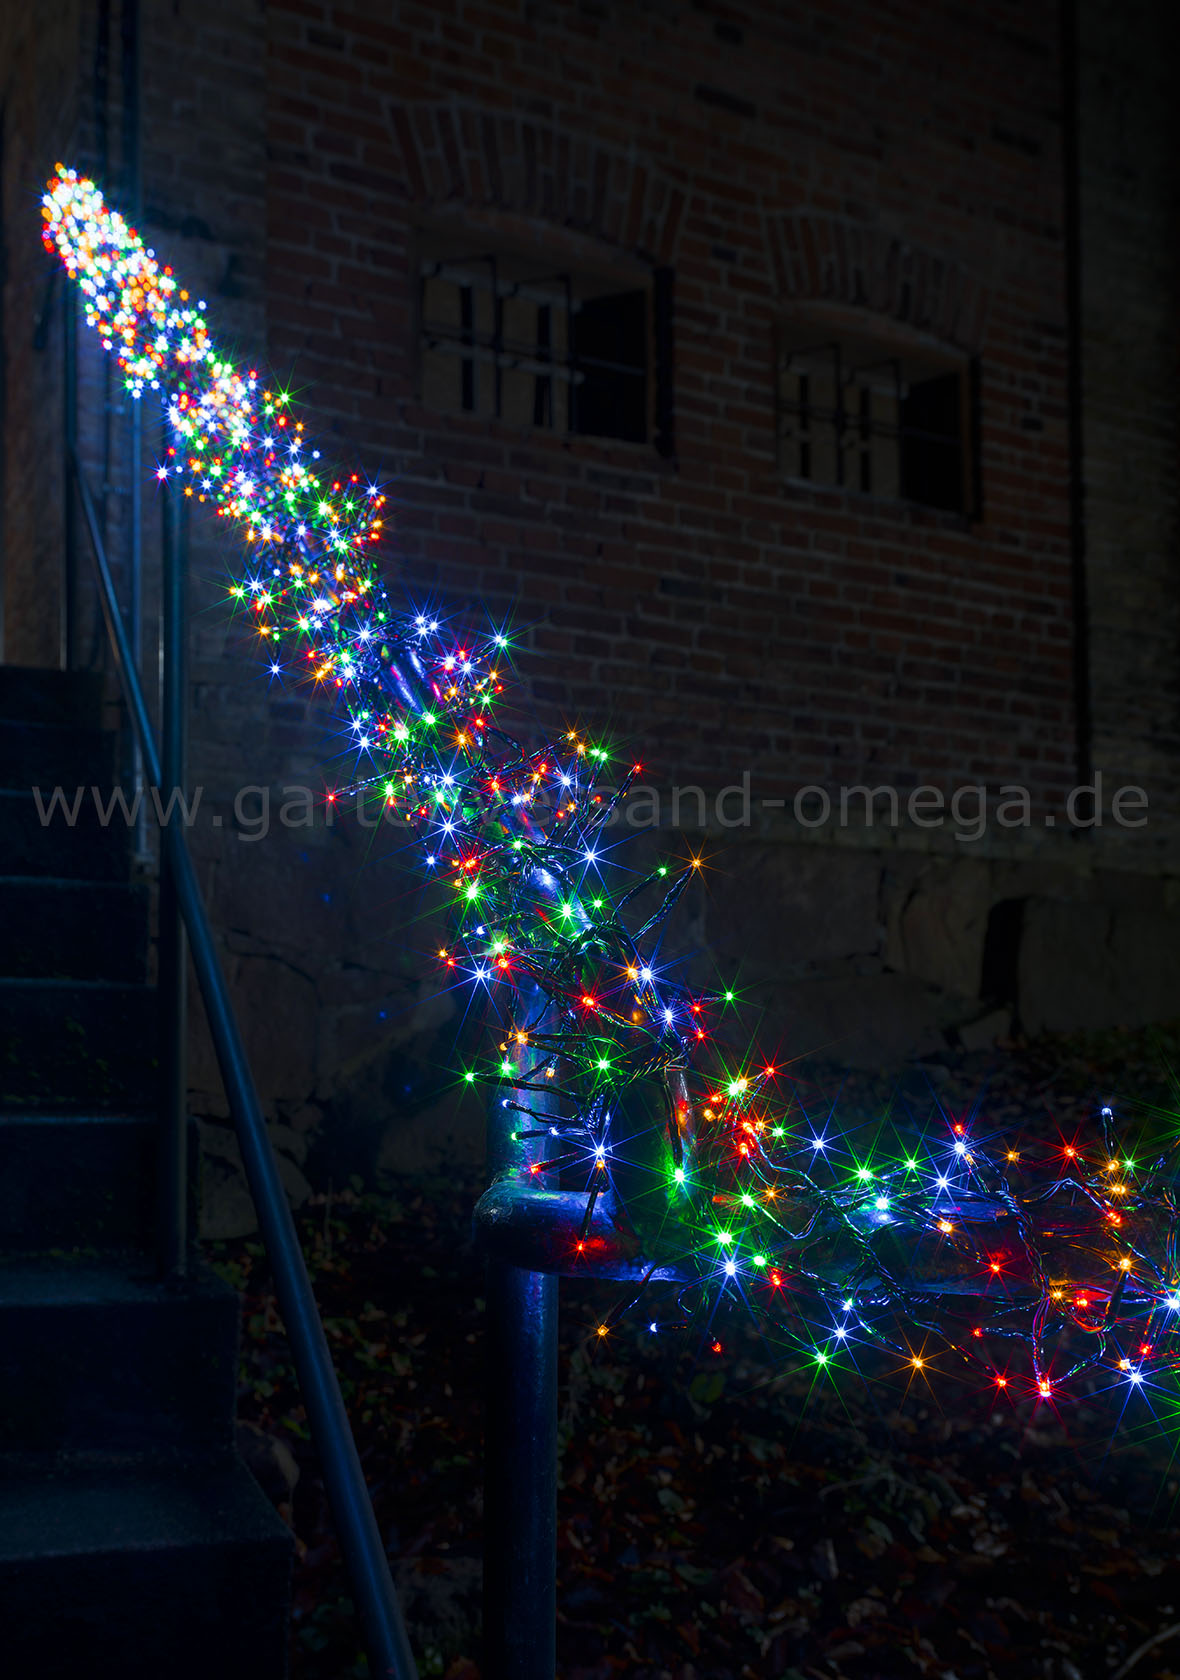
[{"x": 758, "y": 1196}]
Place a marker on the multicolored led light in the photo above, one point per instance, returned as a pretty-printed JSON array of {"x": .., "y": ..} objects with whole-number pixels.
[{"x": 1070, "y": 1252}]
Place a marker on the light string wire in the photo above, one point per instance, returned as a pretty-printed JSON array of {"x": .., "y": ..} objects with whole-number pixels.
[{"x": 1067, "y": 1252}]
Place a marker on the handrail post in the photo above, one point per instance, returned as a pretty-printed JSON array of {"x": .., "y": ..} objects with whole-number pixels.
[
  {"x": 520, "y": 1436},
  {"x": 69, "y": 565},
  {"x": 132, "y": 188},
  {"x": 172, "y": 1232},
  {"x": 135, "y": 615},
  {"x": 520, "y": 1475}
]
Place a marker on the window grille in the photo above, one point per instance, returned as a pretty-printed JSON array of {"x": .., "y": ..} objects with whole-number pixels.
[
  {"x": 545, "y": 350},
  {"x": 890, "y": 425}
]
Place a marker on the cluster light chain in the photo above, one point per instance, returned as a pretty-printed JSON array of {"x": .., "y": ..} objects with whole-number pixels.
[{"x": 937, "y": 1243}]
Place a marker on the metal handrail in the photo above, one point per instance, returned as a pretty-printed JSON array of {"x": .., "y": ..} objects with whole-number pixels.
[{"x": 356, "y": 1526}]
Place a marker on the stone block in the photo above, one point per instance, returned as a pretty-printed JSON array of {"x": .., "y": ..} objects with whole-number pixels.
[
  {"x": 938, "y": 924},
  {"x": 226, "y": 1205},
  {"x": 1085, "y": 966},
  {"x": 862, "y": 1021},
  {"x": 987, "y": 1031},
  {"x": 777, "y": 910},
  {"x": 448, "y": 1134},
  {"x": 370, "y": 1027}
]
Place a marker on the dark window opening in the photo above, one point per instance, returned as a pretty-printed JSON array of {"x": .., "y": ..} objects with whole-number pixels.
[
  {"x": 932, "y": 463},
  {"x": 893, "y": 426},
  {"x": 552, "y": 351},
  {"x": 609, "y": 351}
]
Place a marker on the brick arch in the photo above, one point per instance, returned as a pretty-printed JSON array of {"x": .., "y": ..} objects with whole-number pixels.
[
  {"x": 837, "y": 260},
  {"x": 459, "y": 154}
]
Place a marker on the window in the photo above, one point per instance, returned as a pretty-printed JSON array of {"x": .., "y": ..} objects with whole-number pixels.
[
  {"x": 891, "y": 422},
  {"x": 505, "y": 339}
]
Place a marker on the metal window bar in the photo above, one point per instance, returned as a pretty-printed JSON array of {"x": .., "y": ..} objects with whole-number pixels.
[
  {"x": 502, "y": 354},
  {"x": 810, "y": 415},
  {"x": 871, "y": 428},
  {"x": 498, "y": 338},
  {"x": 543, "y": 391},
  {"x": 460, "y": 342},
  {"x": 360, "y": 1541},
  {"x": 853, "y": 426},
  {"x": 466, "y": 340},
  {"x": 840, "y": 416},
  {"x": 804, "y": 425},
  {"x": 494, "y": 349}
]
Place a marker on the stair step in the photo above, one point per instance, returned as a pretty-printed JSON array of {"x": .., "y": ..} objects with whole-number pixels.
[
  {"x": 133, "y": 1573},
  {"x": 76, "y": 1181},
  {"x": 99, "y": 1355},
  {"x": 49, "y": 755},
  {"x": 70, "y": 1181},
  {"x": 32, "y": 694},
  {"x": 31, "y": 844},
  {"x": 80, "y": 930},
  {"x": 69, "y": 1044}
]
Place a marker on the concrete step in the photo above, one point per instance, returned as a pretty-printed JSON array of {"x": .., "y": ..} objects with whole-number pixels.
[
  {"x": 83, "y": 1181},
  {"x": 46, "y": 841},
  {"x": 100, "y": 1356},
  {"x": 76, "y": 930},
  {"x": 76, "y": 1181},
  {"x": 77, "y": 1044},
  {"x": 31, "y": 694},
  {"x": 136, "y": 1572},
  {"x": 49, "y": 755}
]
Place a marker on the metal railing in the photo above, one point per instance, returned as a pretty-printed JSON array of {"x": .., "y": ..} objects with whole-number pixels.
[
  {"x": 184, "y": 920},
  {"x": 533, "y": 1233}
]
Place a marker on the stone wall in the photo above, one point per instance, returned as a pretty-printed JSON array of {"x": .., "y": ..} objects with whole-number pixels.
[{"x": 871, "y": 957}]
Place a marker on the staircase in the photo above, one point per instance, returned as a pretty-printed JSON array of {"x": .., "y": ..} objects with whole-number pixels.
[{"x": 133, "y": 1541}]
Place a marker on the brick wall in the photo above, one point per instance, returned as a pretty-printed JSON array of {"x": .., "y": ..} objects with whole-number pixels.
[
  {"x": 1130, "y": 282},
  {"x": 714, "y": 616},
  {"x": 43, "y": 103}
]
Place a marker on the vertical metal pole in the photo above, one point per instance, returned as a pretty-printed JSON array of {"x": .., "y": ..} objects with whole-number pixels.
[
  {"x": 173, "y": 1155},
  {"x": 69, "y": 572},
  {"x": 520, "y": 1476},
  {"x": 520, "y": 1445},
  {"x": 132, "y": 192},
  {"x": 100, "y": 100},
  {"x": 1083, "y": 698},
  {"x": 135, "y": 607}
]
